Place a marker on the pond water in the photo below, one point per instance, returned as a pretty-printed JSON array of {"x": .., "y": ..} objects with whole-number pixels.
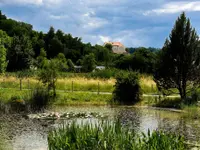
[{"x": 31, "y": 134}]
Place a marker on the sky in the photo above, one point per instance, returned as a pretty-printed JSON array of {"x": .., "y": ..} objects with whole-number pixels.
[{"x": 134, "y": 23}]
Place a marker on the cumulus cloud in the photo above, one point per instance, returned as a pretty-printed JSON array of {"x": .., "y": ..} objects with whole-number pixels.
[{"x": 175, "y": 7}]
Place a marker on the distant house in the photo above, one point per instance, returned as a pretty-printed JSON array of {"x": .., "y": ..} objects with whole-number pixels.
[
  {"x": 100, "y": 67},
  {"x": 79, "y": 68},
  {"x": 117, "y": 47}
]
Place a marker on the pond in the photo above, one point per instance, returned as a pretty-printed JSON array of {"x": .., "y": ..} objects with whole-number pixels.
[{"x": 31, "y": 134}]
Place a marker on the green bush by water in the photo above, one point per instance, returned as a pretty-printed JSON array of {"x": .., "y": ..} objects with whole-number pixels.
[
  {"x": 127, "y": 88},
  {"x": 110, "y": 136},
  {"x": 39, "y": 99}
]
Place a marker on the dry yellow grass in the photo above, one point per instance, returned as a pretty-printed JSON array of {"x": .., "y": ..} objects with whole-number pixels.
[{"x": 79, "y": 83}]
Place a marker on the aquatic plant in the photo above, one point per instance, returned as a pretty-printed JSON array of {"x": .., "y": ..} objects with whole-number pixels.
[{"x": 110, "y": 135}]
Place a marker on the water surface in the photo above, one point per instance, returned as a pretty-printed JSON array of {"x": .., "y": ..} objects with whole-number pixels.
[{"x": 31, "y": 134}]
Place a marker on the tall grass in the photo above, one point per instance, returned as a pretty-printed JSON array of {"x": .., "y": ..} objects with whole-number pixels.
[
  {"x": 79, "y": 83},
  {"x": 110, "y": 136}
]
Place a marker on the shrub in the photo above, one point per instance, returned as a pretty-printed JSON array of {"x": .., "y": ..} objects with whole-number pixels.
[
  {"x": 127, "y": 88},
  {"x": 193, "y": 98},
  {"x": 39, "y": 99},
  {"x": 17, "y": 103},
  {"x": 105, "y": 74}
]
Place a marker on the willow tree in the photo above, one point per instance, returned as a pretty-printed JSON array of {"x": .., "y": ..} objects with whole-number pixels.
[{"x": 178, "y": 65}]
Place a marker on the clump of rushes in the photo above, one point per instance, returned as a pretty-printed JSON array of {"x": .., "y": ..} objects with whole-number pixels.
[{"x": 108, "y": 135}]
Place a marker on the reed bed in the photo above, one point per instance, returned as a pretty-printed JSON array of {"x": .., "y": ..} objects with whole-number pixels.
[{"x": 107, "y": 135}]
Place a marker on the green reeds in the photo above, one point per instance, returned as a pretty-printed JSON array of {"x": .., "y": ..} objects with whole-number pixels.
[{"x": 107, "y": 135}]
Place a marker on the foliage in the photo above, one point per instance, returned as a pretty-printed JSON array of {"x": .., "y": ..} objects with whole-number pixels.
[
  {"x": 110, "y": 135},
  {"x": 20, "y": 53},
  {"x": 4, "y": 43},
  {"x": 49, "y": 75},
  {"x": 178, "y": 64},
  {"x": 88, "y": 63},
  {"x": 142, "y": 60},
  {"x": 27, "y": 42},
  {"x": 42, "y": 59},
  {"x": 104, "y": 74},
  {"x": 39, "y": 99},
  {"x": 127, "y": 88},
  {"x": 71, "y": 65},
  {"x": 108, "y": 46},
  {"x": 62, "y": 62}
]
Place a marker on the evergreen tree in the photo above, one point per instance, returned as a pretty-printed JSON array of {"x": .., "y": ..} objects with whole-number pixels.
[{"x": 178, "y": 65}]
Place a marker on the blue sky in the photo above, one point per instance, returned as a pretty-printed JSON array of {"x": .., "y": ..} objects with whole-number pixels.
[{"x": 132, "y": 22}]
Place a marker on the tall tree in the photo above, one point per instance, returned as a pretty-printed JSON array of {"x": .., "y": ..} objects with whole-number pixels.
[
  {"x": 4, "y": 43},
  {"x": 88, "y": 62},
  {"x": 179, "y": 63},
  {"x": 20, "y": 53}
]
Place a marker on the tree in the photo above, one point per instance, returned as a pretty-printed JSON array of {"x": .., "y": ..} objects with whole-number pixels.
[
  {"x": 143, "y": 60},
  {"x": 62, "y": 62},
  {"x": 71, "y": 65},
  {"x": 20, "y": 53},
  {"x": 4, "y": 43},
  {"x": 88, "y": 62},
  {"x": 42, "y": 58},
  {"x": 49, "y": 74},
  {"x": 108, "y": 46},
  {"x": 178, "y": 65}
]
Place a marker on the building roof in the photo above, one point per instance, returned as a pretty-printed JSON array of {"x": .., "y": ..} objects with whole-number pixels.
[{"x": 114, "y": 43}]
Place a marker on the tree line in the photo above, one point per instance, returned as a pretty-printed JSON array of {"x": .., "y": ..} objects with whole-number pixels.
[{"x": 22, "y": 47}]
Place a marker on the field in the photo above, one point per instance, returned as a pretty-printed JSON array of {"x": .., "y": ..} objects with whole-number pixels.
[{"x": 75, "y": 84}]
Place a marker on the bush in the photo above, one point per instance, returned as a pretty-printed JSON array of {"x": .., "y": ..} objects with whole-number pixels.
[
  {"x": 127, "y": 88},
  {"x": 39, "y": 99},
  {"x": 17, "y": 103},
  {"x": 192, "y": 98},
  {"x": 105, "y": 74}
]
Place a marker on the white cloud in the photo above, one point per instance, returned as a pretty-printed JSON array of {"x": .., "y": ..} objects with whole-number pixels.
[
  {"x": 104, "y": 38},
  {"x": 23, "y": 2},
  {"x": 175, "y": 7},
  {"x": 58, "y": 17},
  {"x": 33, "y": 2}
]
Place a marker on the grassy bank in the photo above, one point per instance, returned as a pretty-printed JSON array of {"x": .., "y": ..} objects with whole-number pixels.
[
  {"x": 62, "y": 98},
  {"x": 110, "y": 135}
]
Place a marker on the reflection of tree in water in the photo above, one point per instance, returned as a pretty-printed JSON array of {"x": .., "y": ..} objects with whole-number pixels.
[
  {"x": 130, "y": 117},
  {"x": 186, "y": 127},
  {"x": 190, "y": 129}
]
